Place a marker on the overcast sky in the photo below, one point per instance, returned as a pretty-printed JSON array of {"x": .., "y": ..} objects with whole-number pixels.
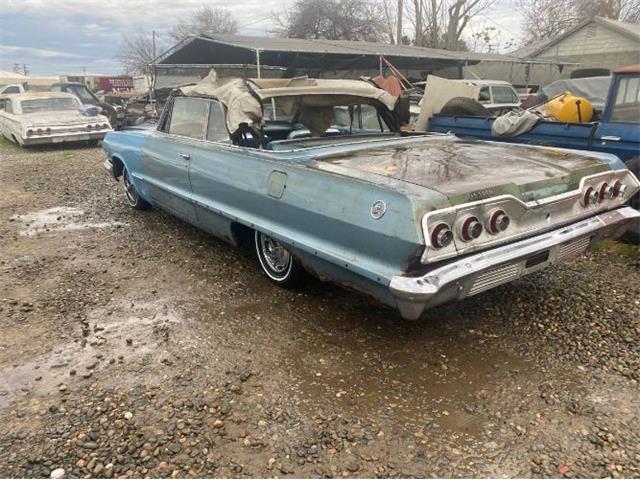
[{"x": 64, "y": 36}]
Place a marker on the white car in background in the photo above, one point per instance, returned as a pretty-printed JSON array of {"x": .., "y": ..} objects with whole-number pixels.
[
  {"x": 46, "y": 117},
  {"x": 497, "y": 96}
]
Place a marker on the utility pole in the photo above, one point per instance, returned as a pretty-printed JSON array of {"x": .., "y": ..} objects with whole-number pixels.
[
  {"x": 25, "y": 70},
  {"x": 153, "y": 40},
  {"x": 418, "y": 4},
  {"x": 399, "y": 29}
]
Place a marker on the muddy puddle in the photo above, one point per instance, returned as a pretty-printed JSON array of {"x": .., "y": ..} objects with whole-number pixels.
[
  {"x": 112, "y": 336},
  {"x": 410, "y": 387},
  {"x": 415, "y": 375},
  {"x": 57, "y": 219}
]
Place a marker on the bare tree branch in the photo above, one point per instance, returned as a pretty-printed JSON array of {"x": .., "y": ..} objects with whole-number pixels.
[
  {"x": 334, "y": 20},
  {"x": 135, "y": 52},
  {"x": 205, "y": 20},
  {"x": 545, "y": 19}
]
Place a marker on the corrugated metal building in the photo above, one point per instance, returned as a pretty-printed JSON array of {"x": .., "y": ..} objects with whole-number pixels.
[{"x": 318, "y": 58}]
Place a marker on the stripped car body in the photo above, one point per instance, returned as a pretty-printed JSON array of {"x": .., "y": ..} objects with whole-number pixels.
[
  {"x": 42, "y": 118},
  {"x": 364, "y": 207}
]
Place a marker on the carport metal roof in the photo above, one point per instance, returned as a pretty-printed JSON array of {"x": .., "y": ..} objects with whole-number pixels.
[{"x": 315, "y": 54}]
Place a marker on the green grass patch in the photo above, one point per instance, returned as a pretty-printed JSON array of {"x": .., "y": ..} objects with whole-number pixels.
[
  {"x": 619, "y": 248},
  {"x": 4, "y": 143}
]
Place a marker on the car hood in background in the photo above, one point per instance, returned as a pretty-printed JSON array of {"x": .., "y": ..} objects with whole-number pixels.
[
  {"x": 467, "y": 171},
  {"x": 60, "y": 118}
]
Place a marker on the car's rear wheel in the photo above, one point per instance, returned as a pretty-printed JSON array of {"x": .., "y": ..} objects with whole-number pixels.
[
  {"x": 277, "y": 262},
  {"x": 131, "y": 194}
]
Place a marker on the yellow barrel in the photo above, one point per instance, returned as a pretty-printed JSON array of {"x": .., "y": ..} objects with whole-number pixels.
[{"x": 569, "y": 108}]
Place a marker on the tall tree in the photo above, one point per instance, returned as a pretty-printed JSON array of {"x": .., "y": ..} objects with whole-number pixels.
[
  {"x": 441, "y": 23},
  {"x": 333, "y": 20},
  {"x": 135, "y": 52},
  {"x": 545, "y": 19},
  {"x": 205, "y": 20}
]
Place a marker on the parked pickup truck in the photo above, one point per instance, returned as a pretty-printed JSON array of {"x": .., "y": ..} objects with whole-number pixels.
[
  {"x": 617, "y": 132},
  {"x": 334, "y": 188},
  {"x": 11, "y": 89}
]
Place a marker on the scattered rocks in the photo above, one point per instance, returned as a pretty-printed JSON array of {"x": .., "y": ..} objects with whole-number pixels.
[{"x": 57, "y": 473}]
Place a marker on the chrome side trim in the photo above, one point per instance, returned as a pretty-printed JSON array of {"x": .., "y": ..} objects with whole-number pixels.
[{"x": 482, "y": 271}]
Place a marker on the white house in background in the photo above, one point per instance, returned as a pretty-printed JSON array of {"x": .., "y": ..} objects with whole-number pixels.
[{"x": 595, "y": 43}]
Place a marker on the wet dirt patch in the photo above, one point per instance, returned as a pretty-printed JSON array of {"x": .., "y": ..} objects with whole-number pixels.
[
  {"x": 122, "y": 332},
  {"x": 58, "y": 219}
]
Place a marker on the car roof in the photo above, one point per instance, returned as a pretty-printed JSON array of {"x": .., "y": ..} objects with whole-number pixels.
[
  {"x": 473, "y": 81},
  {"x": 628, "y": 69},
  {"x": 36, "y": 95}
]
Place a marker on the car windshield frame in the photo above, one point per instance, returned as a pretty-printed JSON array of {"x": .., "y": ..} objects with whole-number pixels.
[{"x": 83, "y": 93}]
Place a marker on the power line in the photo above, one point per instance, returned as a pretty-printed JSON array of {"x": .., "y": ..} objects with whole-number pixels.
[{"x": 502, "y": 27}]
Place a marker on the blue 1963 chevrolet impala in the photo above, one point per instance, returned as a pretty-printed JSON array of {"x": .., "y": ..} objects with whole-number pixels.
[{"x": 318, "y": 174}]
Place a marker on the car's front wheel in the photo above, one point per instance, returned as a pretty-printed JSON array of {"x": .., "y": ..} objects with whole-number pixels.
[
  {"x": 277, "y": 262},
  {"x": 131, "y": 194}
]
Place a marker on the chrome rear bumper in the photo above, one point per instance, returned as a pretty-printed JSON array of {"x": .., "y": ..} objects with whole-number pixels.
[
  {"x": 67, "y": 137},
  {"x": 480, "y": 272}
]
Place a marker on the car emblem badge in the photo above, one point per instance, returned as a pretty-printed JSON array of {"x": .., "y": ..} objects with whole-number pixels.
[{"x": 378, "y": 208}]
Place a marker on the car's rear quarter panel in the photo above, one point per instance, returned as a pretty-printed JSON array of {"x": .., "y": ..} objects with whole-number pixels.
[{"x": 324, "y": 217}]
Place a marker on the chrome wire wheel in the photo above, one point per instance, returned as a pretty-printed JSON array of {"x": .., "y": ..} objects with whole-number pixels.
[
  {"x": 275, "y": 259},
  {"x": 129, "y": 189}
]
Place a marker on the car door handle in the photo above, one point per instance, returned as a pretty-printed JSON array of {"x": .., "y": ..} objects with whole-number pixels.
[
  {"x": 186, "y": 156},
  {"x": 610, "y": 138}
]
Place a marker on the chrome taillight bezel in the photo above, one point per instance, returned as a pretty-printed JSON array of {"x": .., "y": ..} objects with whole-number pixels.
[
  {"x": 441, "y": 236},
  {"x": 470, "y": 228},
  {"x": 498, "y": 221}
]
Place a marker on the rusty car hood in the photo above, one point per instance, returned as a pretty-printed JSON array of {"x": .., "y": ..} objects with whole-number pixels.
[{"x": 465, "y": 170}]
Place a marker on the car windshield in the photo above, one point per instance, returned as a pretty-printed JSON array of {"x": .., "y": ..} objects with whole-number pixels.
[
  {"x": 504, "y": 94},
  {"x": 49, "y": 104},
  {"x": 341, "y": 120},
  {"x": 83, "y": 93}
]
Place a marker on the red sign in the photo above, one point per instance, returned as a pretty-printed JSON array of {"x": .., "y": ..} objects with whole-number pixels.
[{"x": 115, "y": 84}]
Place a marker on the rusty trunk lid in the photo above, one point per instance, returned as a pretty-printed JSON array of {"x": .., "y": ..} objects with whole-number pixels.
[{"x": 465, "y": 171}]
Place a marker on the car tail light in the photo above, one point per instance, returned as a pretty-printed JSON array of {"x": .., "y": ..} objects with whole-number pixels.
[
  {"x": 29, "y": 132},
  {"x": 89, "y": 127},
  {"x": 618, "y": 189},
  {"x": 498, "y": 222},
  {"x": 604, "y": 192},
  {"x": 40, "y": 131},
  {"x": 48, "y": 129},
  {"x": 441, "y": 236},
  {"x": 589, "y": 197},
  {"x": 471, "y": 228}
]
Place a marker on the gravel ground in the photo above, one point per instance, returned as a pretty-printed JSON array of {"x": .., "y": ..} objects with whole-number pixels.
[{"x": 131, "y": 344}]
